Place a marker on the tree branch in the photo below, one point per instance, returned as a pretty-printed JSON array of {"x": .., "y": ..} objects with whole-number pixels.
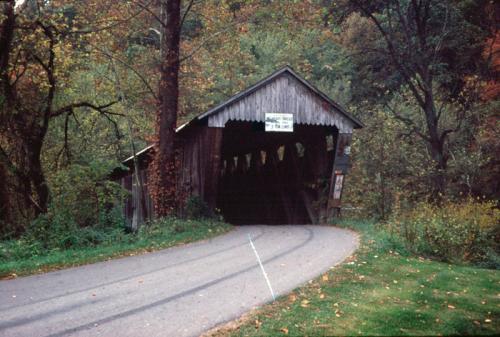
[
  {"x": 100, "y": 108},
  {"x": 128, "y": 66},
  {"x": 392, "y": 52},
  {"x": 186, "y": 12},
  {"x": 152, "y": 13},
  {"x": 202, "y": 43},
  {"x": 409, "y": 123}
]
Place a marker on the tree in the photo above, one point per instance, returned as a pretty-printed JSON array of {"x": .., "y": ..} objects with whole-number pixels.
[
  {"x": 39, "y": 48},
  {"x": 428, "y": 48},
  {"x": 163, "y": 175}
]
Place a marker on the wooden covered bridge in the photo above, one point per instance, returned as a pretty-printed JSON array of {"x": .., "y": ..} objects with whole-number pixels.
[{"x": 274, "y": 153}]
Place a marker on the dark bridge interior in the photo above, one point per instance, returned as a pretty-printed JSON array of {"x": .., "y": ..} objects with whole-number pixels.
[{"x": 275, "y": 177}]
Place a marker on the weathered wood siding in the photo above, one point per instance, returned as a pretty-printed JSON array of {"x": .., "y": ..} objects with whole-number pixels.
[
  {"x": 132, "y": 206},
  {"x": 285, "y": 94},
  {"x": 200, "y": 163}
]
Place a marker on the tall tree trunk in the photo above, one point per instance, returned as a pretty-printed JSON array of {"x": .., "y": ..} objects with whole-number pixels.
[
  {"x": 435, "y": 143},
  {"x": 6, "y": 36},
  {"x": 164, "y": 178}
]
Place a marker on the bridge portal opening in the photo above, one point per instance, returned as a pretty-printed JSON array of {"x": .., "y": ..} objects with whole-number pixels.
[{"x": 274, "y": 177}]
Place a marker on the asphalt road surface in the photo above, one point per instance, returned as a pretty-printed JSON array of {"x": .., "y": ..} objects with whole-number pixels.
[{"x": 181, "y": 291}]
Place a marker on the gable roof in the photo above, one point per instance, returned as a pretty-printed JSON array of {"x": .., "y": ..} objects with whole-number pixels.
[
  {"x": 262, "y": 83},
  {"x": 286, "y": 70}
]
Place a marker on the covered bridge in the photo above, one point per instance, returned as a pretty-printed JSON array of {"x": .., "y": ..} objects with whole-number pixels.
[{"x": 274, "y": 153}]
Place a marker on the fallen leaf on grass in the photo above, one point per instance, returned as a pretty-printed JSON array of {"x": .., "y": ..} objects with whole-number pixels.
[
  {"x": 487, "y": 320},
  {"x": 325, "y": 277},
  {"x": 322, "y": 296},
  {"x": 451, "y": 306},
  {"x": 284, "y": 330},
  {"x": 304, "y": 303}
]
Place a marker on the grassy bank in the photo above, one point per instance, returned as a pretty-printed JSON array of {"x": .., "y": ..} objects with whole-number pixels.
[
  {"x": 380, "y": 291},
  {"x": 23, "y": 257}
]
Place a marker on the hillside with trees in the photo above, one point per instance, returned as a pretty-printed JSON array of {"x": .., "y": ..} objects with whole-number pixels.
[{"x": 85, "y": 84}]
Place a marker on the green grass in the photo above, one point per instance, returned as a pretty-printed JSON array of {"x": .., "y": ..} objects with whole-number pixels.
[
  {"x": 25, "y": 257},
  {"x": 381, "y": 291}
]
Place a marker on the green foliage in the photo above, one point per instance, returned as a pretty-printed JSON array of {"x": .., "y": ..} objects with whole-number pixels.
[
  {"x": 83, "y": 195},
  {"x": 85, "y": 210},
  {"x": 467, "y": 231},
  {"x": 56, "y": 243},
  {"x": 388, "y": 166},
  {"x": 196, "y": 208}
]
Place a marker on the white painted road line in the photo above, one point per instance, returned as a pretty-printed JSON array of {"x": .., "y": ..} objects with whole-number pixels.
[{"x": 262, "y": 267}]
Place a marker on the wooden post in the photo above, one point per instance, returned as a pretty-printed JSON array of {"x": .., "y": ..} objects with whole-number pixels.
[{"x": 340, "y": 168}]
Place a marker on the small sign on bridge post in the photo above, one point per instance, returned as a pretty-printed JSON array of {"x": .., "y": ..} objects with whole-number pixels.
[{"x": 279, "y": 122}]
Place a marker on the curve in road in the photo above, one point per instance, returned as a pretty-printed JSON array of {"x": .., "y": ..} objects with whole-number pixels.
[{"x": 180, "y": 291}]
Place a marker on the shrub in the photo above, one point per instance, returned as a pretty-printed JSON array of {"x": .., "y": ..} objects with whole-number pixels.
[
  {"x": 83, "y": 194},
  {"x": 467, "y": 231},
  {"x": 85, "y": 205},
  {"x": 196, "y": 208}
]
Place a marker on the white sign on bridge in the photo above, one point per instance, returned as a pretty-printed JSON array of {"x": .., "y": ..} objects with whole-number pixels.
[{"x": 279, "y": 122}]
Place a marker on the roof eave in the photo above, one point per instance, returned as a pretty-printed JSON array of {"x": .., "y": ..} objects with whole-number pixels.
[{"x": 256, "y": 86}]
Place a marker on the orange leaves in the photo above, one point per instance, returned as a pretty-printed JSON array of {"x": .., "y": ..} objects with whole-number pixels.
[{"x": 284, "y": 330}]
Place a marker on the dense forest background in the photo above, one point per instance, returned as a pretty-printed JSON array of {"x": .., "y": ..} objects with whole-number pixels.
[{"x": 79, "y": 93}]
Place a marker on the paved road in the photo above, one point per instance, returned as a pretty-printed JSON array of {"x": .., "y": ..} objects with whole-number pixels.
[{"x": 181, "y": 291}]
